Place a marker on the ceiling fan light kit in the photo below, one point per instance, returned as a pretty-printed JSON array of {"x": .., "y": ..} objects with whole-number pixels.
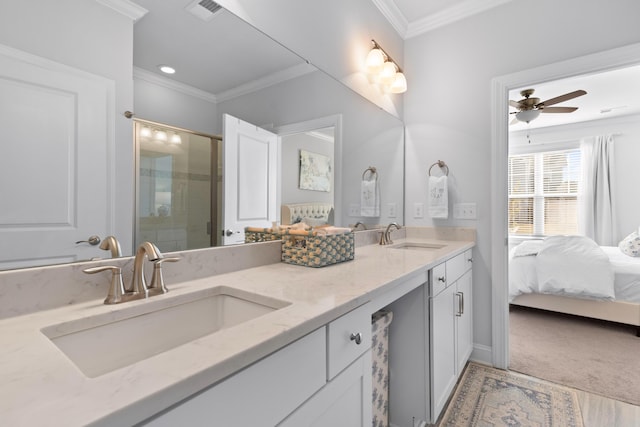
[
  {"x": 383, "y": 70},
  {"x": 529, "y": 108}
]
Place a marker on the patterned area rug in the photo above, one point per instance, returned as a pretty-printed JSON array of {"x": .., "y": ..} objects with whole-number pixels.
[{"x": 492, "y": 397}]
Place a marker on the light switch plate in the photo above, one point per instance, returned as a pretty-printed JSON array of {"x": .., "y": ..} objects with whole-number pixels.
[
  {"x": 392, "y": 210},
  {"x": 354, "y": 209}
]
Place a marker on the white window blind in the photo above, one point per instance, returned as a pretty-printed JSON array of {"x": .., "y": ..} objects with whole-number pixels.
[{"x": 543, "y": 191}]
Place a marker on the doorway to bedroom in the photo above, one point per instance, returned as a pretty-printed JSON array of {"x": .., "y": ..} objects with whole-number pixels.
[{"x": 544, "y": 174}]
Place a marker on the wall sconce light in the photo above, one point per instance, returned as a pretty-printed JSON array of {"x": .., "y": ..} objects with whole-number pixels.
[
  {"x": 175, "y": 139},
  {"x": 161, "y": 136},
  {"x": 383, "y": 70},
  {"x": 145, "y": 132}
]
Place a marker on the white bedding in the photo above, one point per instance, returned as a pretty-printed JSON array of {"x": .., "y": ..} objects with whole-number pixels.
[{"x": 524, "y": 272}]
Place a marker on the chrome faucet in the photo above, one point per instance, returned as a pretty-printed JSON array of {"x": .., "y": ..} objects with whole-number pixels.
[
  {"x": 110, "y": 243},
  {"x": 358, "y": 224},
  {"x": 385, "y": 237},
  {"x": 138, "y": 282}
]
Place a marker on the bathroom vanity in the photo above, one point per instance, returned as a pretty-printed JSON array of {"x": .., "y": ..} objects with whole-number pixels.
[{"x": 288, "y": 345}]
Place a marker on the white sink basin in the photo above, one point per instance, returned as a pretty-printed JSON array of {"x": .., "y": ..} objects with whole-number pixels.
[
  {"x": 418, "y": 246},
  {"x": 106, "y": 342}
]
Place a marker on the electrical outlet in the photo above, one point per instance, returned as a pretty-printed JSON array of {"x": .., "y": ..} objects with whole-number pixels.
[
  {"x": 464, "y": 211},
  {"x": 392, "y": 209},
  {"x": 418, "y": 210},
  {"x": 354, "y": 209}
]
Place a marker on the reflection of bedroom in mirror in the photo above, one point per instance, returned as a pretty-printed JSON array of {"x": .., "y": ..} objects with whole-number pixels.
[{"x": 568, "y": 176}]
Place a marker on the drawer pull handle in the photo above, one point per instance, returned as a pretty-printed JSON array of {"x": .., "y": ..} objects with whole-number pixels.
[
  {"x": 357, "y": 337},
  {"x": 470, "y": 260},
  {"x": 442, "y": 279}
]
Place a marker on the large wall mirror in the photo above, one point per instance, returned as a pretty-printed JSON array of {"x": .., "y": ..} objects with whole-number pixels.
[{"x": 226, "y": 66}]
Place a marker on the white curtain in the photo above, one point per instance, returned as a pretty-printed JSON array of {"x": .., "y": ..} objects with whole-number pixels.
[{"x": 597, "y": 218}]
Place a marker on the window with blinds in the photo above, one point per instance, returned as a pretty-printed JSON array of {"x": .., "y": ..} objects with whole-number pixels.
[{"x": 543, "y": 193}]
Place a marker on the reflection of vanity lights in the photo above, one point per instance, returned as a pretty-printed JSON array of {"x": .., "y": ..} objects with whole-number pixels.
[
  {"x": 383, "y": 70},
  {"x": 161, "y": 135},
  {"x": 145, "y": 132},
  {"x": 175, "y": 139}
]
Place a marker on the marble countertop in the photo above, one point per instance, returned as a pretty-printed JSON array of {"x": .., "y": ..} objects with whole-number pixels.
[{"x": 41, "y": 386}]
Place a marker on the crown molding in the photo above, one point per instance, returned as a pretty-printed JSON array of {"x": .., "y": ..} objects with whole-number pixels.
[
  {"x": 253, "y": 86},
  {"x": 395, "y": 17},
  {"x": 266, "y": 81},
  {"x": 139, "y": 73},
  {"x": 125, "y": 7},
  {"x": 451, "y": 15}
]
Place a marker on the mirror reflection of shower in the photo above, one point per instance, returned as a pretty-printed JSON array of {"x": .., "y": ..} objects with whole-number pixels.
[{"x": 177, "y": 191}]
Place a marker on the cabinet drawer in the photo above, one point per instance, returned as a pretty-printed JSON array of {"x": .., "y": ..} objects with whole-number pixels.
[
  {"x": 438, "y": 280},
  {"x": 456, "y": 267},
  {"x": 342, "y": 344}
]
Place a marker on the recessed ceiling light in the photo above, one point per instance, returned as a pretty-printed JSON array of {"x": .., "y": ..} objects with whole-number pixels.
[{"x": 167, "y": 69}]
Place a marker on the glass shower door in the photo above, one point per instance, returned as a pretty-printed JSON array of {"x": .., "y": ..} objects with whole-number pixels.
[{"x": 176, "y": 198}]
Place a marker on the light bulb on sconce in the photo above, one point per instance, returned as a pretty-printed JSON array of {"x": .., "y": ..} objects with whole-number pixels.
[
  {"x": 161, "y": 135},
  {"x": 175, "y": 139},
  {"x": 382, "y": 69},
  {"x": 145, "y": 132}
]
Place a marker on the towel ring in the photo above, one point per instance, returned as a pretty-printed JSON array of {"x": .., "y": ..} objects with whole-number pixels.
[
  {"x": 372, "y": 170},
  {"x": 442, "y": 165}
]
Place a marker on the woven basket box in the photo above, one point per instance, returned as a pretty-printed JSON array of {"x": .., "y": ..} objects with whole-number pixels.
[
  {"x": 317, "y": 250},
  {"x": 254, "y": 235}
]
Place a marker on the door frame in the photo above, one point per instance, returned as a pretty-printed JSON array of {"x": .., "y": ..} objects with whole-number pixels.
[
  {"x": 500, "y": 86},
  {"x": 310, "y": 125}
]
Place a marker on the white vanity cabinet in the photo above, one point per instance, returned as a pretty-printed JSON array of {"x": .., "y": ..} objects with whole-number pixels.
[
  {"x": 346, "y": 398},
  {"x": 260, "y": 395},
  {"x": 322, "y": 379},
  {"x": 431, "y": 340},
  {"x": 451, "y": 326}
]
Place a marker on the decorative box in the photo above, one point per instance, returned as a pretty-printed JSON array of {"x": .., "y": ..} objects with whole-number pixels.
[{"x": 314, "y": 249}]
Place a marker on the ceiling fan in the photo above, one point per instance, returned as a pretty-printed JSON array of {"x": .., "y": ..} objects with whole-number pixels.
[{"x": 529, "y": 108}]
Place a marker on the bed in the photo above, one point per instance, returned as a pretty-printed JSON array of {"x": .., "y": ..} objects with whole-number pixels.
[
  {"x": 312, "y": 213},
  {"x": 573, "y": 275}
]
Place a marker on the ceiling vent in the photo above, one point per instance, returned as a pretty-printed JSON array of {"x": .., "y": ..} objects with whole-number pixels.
[{"x": 204, "y": 9}]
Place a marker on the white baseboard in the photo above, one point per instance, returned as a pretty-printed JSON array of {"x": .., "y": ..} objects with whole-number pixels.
[{"x": 482, "y": 354}]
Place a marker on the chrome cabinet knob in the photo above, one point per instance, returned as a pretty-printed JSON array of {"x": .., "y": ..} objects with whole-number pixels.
[
  {"x": 442, "y": 279},
  {"x": 357, "y": 337}
]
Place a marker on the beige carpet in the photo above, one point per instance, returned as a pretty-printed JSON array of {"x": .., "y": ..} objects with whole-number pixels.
[
  {"x": 492, "y": 397},
  {"x": 590, "y": 355}
]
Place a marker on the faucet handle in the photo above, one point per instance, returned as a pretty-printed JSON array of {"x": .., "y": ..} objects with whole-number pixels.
[
  {"x": 157, "y": 285},
  {"x": 116, "y": 288}
]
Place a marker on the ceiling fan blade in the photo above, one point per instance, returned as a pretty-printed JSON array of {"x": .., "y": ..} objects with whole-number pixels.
[
  {"x": 514, "y": 104},
  {"x": 558, "y": 109},
  {"x": 562, "y": 98}
]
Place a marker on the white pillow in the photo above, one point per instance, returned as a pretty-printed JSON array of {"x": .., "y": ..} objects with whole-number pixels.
[{"x": 630, "y": 245}]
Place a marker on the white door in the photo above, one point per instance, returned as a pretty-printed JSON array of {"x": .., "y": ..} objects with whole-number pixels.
[
  {"x": 250, "y": 169},
  {"x": 56, "y": 142}
]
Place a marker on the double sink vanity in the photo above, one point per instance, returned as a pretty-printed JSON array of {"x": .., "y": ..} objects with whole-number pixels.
[{"x": 264, "y": 344}]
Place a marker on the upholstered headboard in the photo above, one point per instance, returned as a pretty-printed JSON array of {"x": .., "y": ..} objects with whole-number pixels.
[{"x": 316, "y": 213}]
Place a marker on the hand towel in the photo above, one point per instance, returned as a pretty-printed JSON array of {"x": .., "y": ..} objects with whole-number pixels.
[
  {"x": 438, "y": 197},
  {"x": 370, "y": 198}
]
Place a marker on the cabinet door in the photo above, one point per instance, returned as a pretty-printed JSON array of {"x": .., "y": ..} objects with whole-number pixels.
[
  {"x": 443, "y": 353},
  {"x": 464, "y": 319},
  {"x": 344, "y": 401}
]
